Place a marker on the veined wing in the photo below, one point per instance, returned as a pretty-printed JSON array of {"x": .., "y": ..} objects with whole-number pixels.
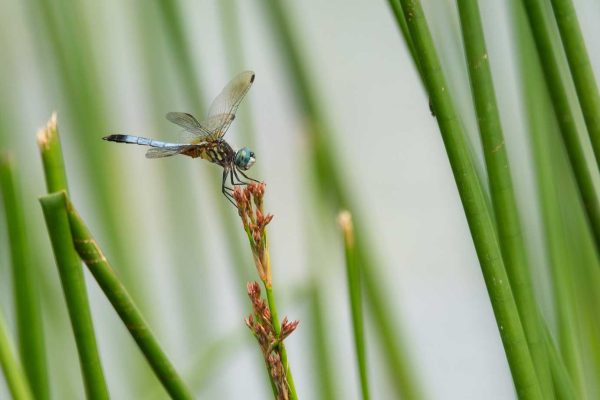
[
  {"x": 168, "y": 151},
  {"x": 222, "y": 110},
  {"x": 194, "y": 130}
]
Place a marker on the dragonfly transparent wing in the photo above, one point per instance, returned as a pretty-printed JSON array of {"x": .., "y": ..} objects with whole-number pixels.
[
  {"x": 194, "y": 131},
  {"x": 167, "y": 151},
  {"x": 222, "y": 110}
]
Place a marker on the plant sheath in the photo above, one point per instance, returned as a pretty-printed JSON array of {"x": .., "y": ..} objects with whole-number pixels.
[
  {"x": 30, "y": 329},
  {"x": 98, "y": 265},
  {"x": 474, "y": 203},
  {"x": 501, "y": 187}
]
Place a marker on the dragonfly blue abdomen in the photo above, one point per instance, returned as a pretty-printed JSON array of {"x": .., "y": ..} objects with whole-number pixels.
[{"x": 138, "y": 140}]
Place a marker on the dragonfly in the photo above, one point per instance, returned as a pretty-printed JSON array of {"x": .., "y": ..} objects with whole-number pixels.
[{"x": 205, "y": 139}]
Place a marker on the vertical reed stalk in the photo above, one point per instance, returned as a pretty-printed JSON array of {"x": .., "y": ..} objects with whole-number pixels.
[
  {"x": 474, "y": 203},
  {"x": 30, "y": 329},
  {"x": 581, "y": 69},
  {"x": 13, "y": 372},
  {"x": 501, "y": 187},
  {"x": 69, "y": 266},
  {"x": 354, "y": 290},
  {"x": 585, "y": 173}
]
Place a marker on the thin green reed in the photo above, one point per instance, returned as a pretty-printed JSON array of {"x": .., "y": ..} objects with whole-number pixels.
[
  {"x": 69, "y": 266},
  {"x": 581, "y": 69},
  {"x": 586, "y": 172},
  {"x": 330, "y": 188},
  {"x": 474, "y": 203},
  {"x": 11, "y": 366},
  {"x": 550, "y": 159},
  {"x": 502, "y": 191},
  {"x": 353, "y": 273},
  {"x": 30, "y": 329}
]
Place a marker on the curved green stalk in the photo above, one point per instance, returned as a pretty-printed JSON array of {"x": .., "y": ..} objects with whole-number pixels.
[
  {"x": 98, "y": 265},
  {"x": 26, "y": 291},
  {"x": 73, "y": 284},
  {"x": 13, "y": 372},
  {"x": 354, "y": 291},
  {"x": 585, "y": 174},
  {"x": 581, "y": 69},
  {"x": 501, "y": 187},
  {"x": 474, "y": 204}
]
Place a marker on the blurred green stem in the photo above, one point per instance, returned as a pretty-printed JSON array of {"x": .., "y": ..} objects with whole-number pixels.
[
  {"x": 354, "y": 291},
  {"x": 474, "y": 203},
  {"x": 98, "y": 265},
  {"x": 581, "y": 69},
  {"x": 501, "y": 187},
  {"x": 585, "y": 174},
  {"x": 30, "y": 329},
  {"x": 13, "y": 372}
]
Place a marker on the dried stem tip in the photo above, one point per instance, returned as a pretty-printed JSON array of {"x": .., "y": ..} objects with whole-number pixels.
[{"x": 345, "y": 221}]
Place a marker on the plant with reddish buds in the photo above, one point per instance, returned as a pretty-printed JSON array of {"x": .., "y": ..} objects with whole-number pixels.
[{"x": 263, "y": 322}]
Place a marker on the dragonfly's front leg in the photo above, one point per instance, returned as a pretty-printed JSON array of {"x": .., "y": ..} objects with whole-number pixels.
[
  {"x": 245, "y": 176},
  {"x": 224, "y": 189}
]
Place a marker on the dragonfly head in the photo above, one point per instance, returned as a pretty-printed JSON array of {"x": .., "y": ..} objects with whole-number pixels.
[{"x": 244, "y": 158}]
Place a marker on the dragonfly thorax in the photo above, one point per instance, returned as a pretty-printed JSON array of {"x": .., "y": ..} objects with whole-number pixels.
[{"x": 244, "y": 158}]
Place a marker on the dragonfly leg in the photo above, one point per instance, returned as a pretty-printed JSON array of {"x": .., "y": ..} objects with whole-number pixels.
[
  {"x": 240, "y": 182},
  {"x": 247, "y": 177},
  {"x": 224, "y": 189}
]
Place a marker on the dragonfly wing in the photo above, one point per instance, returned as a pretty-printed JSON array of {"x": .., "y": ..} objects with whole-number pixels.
[
  {"x": 194, "y": 130},
  {"x": 223, "y": 108},
  {"x": 167, "y": 151},
  {"x": 217, "y": 125}
]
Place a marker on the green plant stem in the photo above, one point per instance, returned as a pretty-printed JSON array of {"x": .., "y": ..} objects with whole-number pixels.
[
  {"x": 30, "y": 329},
  {"x": 401, "y": 22},
  {"x": 354, "y": 291},
  {"x": 13, "y": 372},
  {"x": 501, "y": 187},
  {"x": 562, "y": 381},
  {"x": 98, "y": 265},
  {"x": 73, "y": 284},
  {"x": 323, "y": 364},
  {"x": 277, "y": 327},
  {"x": 550, "y": 58},
  {"x": 474, "y": 203},
  {"x": 581, "y": 69},
  {"x": 551, "y": 164}
]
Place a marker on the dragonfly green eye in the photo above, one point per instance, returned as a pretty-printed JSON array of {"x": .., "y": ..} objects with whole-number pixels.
[{"x": 244, "y": 158}]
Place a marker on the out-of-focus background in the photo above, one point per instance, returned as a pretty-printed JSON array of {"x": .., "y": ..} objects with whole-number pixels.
[{"x": 119, "y": 67}]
